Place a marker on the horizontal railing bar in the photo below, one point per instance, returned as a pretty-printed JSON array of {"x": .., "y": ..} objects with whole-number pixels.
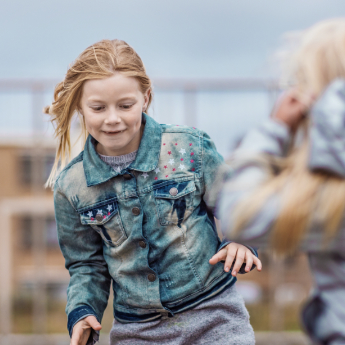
[{"x": 159, "y": 84}]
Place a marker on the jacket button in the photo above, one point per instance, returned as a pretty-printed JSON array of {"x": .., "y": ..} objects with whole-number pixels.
[
  {"x": 173, "y": 191},
  {"x": 151, "y": 277},
  {"x": 127, "y": 176},
  {"x": 136, "y": 211},
  {"x": 99, "y": 217},
  {"x": 142, "y": 244}
]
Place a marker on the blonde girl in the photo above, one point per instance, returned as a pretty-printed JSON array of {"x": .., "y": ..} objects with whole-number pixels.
[
  {"x": 130, "y": 212},
  {"x": 287, "y": 187}
]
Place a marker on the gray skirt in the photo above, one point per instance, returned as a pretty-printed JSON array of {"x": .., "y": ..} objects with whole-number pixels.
[{"x": 222, "y": 319}]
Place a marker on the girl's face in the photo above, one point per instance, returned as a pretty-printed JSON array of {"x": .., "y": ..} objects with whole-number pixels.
[{"x": 112, "y": 109}]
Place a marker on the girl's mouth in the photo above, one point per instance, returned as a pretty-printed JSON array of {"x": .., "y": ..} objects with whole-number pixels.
[{"x": 114, "y": 132}]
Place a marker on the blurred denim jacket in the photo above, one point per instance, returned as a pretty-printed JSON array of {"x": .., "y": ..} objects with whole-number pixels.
[{"x": 146, "y": 228}]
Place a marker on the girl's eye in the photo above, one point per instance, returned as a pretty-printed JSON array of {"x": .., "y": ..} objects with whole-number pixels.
[
  {"x": 98, "y": 108},
  {"x": 126, "y": 106}
]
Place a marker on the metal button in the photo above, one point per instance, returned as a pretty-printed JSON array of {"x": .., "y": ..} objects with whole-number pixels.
[
  {"x": 151, "y": 277},
  {"x": 173, "y": 191},
  {"x": 142, "y": 244},
  {"x": 127, "y": 176},
  {"x": 136, "y": 211},
  {"x": 99, "y": 217}
]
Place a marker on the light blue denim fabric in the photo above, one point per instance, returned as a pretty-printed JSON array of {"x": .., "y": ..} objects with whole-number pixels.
[
  {"x": 146, "y": 229},
  {"x": 324, "y": 315}
]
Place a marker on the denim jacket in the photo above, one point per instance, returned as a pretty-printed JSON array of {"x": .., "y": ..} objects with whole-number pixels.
[{"x": 146, "y": 229}]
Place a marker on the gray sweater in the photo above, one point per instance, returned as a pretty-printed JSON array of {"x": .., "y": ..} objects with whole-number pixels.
[{"x": 324, "y": 315}]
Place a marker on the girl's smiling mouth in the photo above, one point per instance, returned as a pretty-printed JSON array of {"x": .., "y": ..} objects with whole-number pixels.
[{"x": 114, "y": 132}]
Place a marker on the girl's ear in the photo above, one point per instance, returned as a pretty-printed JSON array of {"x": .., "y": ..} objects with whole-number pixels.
[{"x": 146, "y": 97}]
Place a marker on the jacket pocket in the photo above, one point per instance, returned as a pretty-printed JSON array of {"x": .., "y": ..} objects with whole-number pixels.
[
  {"x": 174, "y": 202},
  {"x": 105, "y": 218}
]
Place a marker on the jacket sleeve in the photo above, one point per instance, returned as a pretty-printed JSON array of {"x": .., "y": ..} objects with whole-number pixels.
[
  {"x": 247, "y": 173},
  {"x": 82, "y": 248},
  {"x": 324, "y": 314},
  {"x": 214, "y": 169}
]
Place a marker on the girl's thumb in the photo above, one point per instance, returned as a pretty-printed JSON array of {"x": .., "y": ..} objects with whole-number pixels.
[{"x": 92, "y": 321}]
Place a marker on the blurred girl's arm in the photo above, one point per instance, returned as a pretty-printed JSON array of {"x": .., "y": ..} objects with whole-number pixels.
[{"x": 251, "y": 168}]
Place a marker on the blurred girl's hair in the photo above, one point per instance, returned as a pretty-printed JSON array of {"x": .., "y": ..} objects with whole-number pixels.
[
  {"x": 98, "y": 61},
  {"x": 317, "y": 58}
]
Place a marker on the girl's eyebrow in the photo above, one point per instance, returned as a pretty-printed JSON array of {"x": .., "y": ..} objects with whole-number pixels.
[{"x": 126, "y": 98}]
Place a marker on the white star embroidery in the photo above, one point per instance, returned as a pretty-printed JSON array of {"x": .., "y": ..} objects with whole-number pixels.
[
  {"x": 157, "y": 170},
  {"x": 144, "y": 175},
  {"x": 181, "y": 167},
  {"x": 109, "y": 208},
  {"x": 99, "y": 212},
  {"x": 90, "y": 214},
  {"x": 118, "y": 169},
  {"x": 183, "y": 151},
  {"x": 171, "y": 161}
]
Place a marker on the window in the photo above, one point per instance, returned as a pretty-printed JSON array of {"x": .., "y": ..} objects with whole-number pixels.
[
  {"x": 46, "y": 225},
  {"x": 33, "y": 169}
]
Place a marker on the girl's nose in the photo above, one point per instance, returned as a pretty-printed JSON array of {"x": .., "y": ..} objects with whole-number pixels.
[{"x": 112, "y": 118}]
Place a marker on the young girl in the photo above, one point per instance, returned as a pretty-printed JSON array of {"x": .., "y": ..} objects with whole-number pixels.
[
  {"x": 130, "y": 211},
  {"x": 292, "y": 199}
]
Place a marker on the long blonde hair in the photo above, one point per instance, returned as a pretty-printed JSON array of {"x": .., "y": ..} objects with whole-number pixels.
[
  {"x": 317, "y": 59},
  {"x": 98, "y": 61}
]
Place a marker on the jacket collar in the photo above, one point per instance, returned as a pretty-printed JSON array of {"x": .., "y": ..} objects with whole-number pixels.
[{"x": 96, "y": 171}]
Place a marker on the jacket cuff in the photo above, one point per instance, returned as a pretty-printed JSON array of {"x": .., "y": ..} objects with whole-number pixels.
[
  {"x": 225, "y": 242},
  {"x": 78, "y": 314}
]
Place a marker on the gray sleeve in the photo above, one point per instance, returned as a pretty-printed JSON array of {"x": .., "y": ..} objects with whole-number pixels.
[
  {"x": 247, "y": 173},
  {"x": 323, "y": 315}
]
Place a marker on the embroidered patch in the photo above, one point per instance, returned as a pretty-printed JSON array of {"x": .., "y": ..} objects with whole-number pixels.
[{"x": 98, "y": 214}]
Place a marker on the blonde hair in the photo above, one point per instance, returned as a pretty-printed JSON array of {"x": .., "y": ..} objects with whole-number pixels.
[
  {"x": 317, "y": 59},
  {"x": 98, "y": 61}
]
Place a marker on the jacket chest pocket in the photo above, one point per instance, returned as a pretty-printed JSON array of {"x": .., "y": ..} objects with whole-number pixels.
[
  {"x": 174, "y": 202},
  {"x": 105, "y": 219}
]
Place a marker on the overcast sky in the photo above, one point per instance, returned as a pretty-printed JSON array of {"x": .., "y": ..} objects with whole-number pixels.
[{"x": 175, "y": 38}]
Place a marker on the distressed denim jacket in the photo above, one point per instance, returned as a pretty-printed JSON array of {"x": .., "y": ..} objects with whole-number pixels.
[{"x": 146, "y": 229}]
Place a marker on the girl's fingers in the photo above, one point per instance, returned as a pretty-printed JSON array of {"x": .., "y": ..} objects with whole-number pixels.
[
  {"x": 249, "y": 261},
  {"x": 258, "y": 263},
  {"x": 239, "y": 261},
  {"x": 221, "y": 255},
  {"x": 92, "y": 321},
  {"x": 82, "y": 329},
  {"x": 77, "y": 335},
  {"x": 231, "y": 255}
]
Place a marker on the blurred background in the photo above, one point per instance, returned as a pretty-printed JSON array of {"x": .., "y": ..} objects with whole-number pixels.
[{"x": 212, "y": 65}]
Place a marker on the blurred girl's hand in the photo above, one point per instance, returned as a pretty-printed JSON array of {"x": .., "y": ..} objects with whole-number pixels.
[
  {"x": 82, "y": 330},
  {"x": 291, "y": 108},
  {"x": 239, "y": 252}
]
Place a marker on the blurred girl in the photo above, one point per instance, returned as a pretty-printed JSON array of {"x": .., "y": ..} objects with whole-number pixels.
[
  {"x": 288, "y": 190},
  {"x": 130, "y": 211}
]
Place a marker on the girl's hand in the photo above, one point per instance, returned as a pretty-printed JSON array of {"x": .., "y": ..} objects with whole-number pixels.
[
  {"x": 82, "y": 329},
  {"x": 291, "y": 108},
  {"x": 241, "y": 253}
]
